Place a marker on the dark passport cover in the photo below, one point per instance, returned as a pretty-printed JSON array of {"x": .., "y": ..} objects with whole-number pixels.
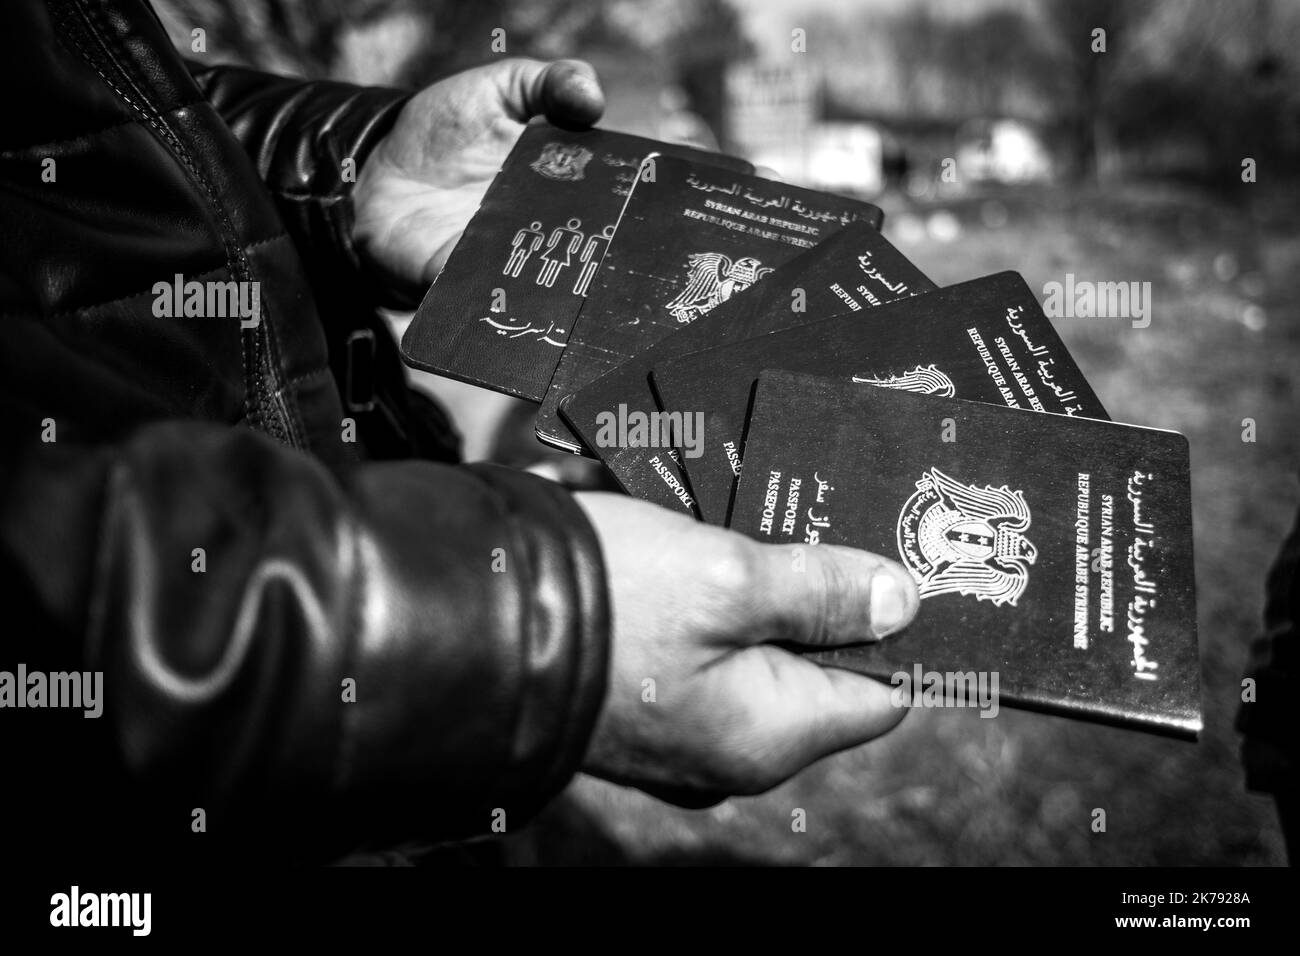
[
  {"x": 502, "y": 309},
  {"x": 690, "y": 238},
  {"x": 1054, "y": 551},
  {"x": 852, "y": 271},
  {"x": 986, "y": 340}
]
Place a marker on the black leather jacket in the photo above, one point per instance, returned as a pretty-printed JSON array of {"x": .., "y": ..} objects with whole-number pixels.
[{"x": 130, "y": 441}]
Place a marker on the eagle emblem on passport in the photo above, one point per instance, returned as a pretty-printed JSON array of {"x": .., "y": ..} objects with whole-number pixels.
[
  {"x": 711, "y": 279},
  {"x": 925, "y": 380},
  {"x": 966, "y": 539},
  {"x": 563, "y": 162}
]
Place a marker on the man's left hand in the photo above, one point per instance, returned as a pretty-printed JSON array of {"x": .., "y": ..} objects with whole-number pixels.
[{"x": 421, "y": 184}]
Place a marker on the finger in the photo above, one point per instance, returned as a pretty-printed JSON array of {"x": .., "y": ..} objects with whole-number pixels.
[
  {"x": 571, "y": 94},
  {"x": 685, "y": 797},
  {"x": 857, "y": 710},
  {"x": 827, "y": 709},
  {"x": 825, "y": 595},
  {"x": 566, "y": 92}
]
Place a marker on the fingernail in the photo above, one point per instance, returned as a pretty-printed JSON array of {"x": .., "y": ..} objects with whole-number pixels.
[
  {"x": 577, "y": 74},
  {"x": 888, "y": 604}
]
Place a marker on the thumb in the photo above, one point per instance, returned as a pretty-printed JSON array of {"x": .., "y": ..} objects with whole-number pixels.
[
  {"x": 566, "y": 92},
  {"x": 826, "y": 595}
]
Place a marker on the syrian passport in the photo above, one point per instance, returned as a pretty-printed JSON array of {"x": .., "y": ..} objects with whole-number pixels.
[
  {"x": 986, "y": 340},
  {"x": 502, "y": 308},
  {"x": 849, "y": 273},
  {"x": 1053, "y": 554},
  {"x": 691, "y": 236}
]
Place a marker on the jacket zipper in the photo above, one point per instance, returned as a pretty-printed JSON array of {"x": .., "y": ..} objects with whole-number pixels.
[{"x": 264, "y": 405}]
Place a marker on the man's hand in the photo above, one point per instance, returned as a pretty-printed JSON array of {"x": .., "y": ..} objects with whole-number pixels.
[
  {"x": 421, "y": 184},
  {"x": 697, "y": 609}
]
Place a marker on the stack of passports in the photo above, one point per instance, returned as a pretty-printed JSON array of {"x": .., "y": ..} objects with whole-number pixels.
[{"x": 758, "y": 356}]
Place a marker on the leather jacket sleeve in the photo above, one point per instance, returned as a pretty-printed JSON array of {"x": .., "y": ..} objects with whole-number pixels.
[
  {"x": 400, "y": 651},
  {"x": 299, "y": 133}
]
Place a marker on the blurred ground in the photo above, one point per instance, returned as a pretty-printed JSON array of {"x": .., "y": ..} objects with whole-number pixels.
[{"x": 949, "y": 787}]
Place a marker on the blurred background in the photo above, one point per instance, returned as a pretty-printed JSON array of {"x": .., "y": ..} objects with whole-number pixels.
[{"x": 995, "y": 136}]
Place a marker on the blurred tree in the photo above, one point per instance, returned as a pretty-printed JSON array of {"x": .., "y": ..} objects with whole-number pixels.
[
  {"x": 998, "y": 65},
  {"x": 918, "y": 65},
  {"x": 704, "y": 43},
  {"x": 1090, "y": 79},
  {"x": 413, "y": 42},
  {"x": 1206, "y": 83}
]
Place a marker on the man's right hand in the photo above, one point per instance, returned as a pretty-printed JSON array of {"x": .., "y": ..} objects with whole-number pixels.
[{"x": 697, "y": 610}]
